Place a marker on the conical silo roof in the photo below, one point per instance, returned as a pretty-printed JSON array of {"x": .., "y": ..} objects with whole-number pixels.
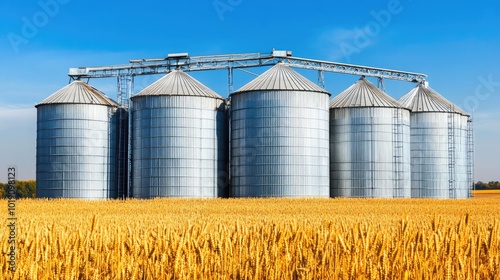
[
  {"x": 78, "y": 92},
  {"x": 281, "y": 77},
  {"x": 424, "y": 99},
  {"x": 178, "y": 83},
  {"x": 363, "y": 94}
]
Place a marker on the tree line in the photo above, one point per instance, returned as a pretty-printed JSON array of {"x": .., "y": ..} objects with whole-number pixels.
[
  {"x": 492, "y": 185},
  {"x": 27, "y": 189}
]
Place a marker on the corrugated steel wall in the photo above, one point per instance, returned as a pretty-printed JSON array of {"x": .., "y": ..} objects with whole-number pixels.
[
  {"x": 439, "y": 155},
  {"x": 122, "y": 153},
  {"x": 279, "y": 144},
  {"x": 429, "y": 155},
  {"x": 179, "y": 147},
  {"x": 370, "y": 152},
  {"x": 461, "y": 189},
  {"x": 76, "y": 151}
]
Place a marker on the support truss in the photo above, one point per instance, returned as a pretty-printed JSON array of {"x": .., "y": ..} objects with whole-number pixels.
[{"x": 183, "y": 61}]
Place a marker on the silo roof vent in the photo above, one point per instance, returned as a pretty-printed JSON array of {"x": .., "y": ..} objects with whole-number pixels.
[
  {"x": 422, "y": 98},
  {"x": 79, "y": 92},
  {"x": 281, "y": 77},
  {"x": 178, "y": 83},
  {"x": 363, "y": 94}
]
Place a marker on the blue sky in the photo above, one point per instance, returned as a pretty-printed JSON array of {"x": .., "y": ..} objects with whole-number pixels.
[{"x": 455, "y": 43}]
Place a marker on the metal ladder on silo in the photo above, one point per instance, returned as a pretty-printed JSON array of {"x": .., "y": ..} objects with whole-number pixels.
[
  {"x": 397, "y": 143},
  {"x": 470, "y": 156},
  {"x": 451, "y": 153}
]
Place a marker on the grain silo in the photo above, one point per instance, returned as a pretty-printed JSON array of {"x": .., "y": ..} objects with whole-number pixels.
[
  {"x": 439, "y": 143},
  {"x": 76, "y": 144},
  {"x": 369, "y": 144},
  {"x": 279, "y": 137},
  {"x": 180, "y": 141}
]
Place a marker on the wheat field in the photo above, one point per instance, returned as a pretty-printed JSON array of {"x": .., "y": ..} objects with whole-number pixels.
[
  {"x": 256, "y": 239},
  {"x": 486, "y": 194}
]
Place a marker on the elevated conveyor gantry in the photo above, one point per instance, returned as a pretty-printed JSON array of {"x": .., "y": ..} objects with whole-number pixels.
[{"x": 125, "y": 73}]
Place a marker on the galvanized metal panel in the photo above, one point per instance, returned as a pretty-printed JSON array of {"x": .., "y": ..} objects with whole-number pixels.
[
  {"x": 369, "y": 152},
  {"x": 439, "y": 145},
  {"x": 79, "y": 92},
  {"x": 281, "y": 77},
  {"x": 76, "y": 151},
  {"x": 429, "y": 155},
  {"x": 279, "y": 143},
  {"x": 363, "y": 94},
  {"x": 439, "y": 155},
  {"x": 179, "y": 146},
  {"x": 178, "y": 83},
  {"x": 461, "y": 187},
  {"x": 425, "y": 99}
]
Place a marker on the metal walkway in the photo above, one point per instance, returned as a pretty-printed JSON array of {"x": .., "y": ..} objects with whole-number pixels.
[{"x": 182, "y": 61}]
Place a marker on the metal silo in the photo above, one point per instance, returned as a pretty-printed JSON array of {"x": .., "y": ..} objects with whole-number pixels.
[
  {"x": 76, "y": 144},
  {"x": 279, "y": 137},
  {"x": 369, "y": 144},
  {"x": 180, "y": 141},
  {"x": 439, "y": 145}
]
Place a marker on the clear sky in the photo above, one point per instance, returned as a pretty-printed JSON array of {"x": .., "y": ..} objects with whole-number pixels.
[{"x": 457, "y": 43}]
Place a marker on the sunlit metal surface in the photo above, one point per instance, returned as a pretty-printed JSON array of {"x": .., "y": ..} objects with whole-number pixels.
[
  {"x": 279, "y": 137},
  {"x": 76, "y": 144},
  {"x": 369, "y": 144},
  {"x": 179, "y": 140},
  {"x": 439, "y": 145}
]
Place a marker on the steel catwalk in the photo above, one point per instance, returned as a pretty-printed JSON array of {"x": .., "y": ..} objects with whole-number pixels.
[
  {"x": 439, "y": 142},
  {"x": 279, "y": 137},
  {"x": 76, "y": 144},
  {"x": 180, "y": 141},
  {"x": 369, "y": 144}
]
